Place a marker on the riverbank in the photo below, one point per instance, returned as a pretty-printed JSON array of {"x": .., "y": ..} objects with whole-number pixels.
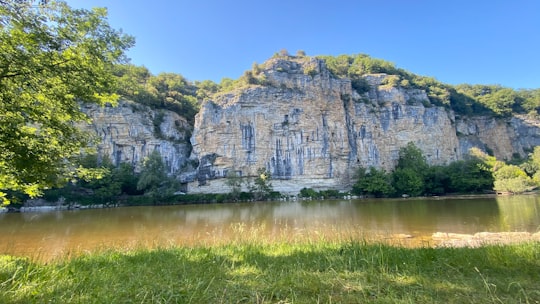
[
  {"x": 444, "y": 239},
  {"x": 42, "y": 205},
  {"x": 310, "y": 272}
]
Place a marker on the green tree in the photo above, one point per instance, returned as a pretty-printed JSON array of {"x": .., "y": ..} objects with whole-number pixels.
[
  {"x": 309, "y": 193},
  {"x": 534, "y": 161},
  {"x": 133, "y": 84},
  {"x": 205, "y": 89},
  {"x": 340, "y": 65},
  {"x": 511, "y": 178},
  {"x": 408, "y": 176},
  {"x": 234, "y": 181},
  {"x": 153, "y": 179},
  {"x": 412, "y": 157},
  {"x": 534, "y": 158},
  {"x": 374, "y": 182},
  {"x": 471, "y": 175},
  {"x": 51, "y": 58},
  {"x": 509, "y": 171},
  {"x": 165, "y": 91},
  {"x": 227, "y": 84},
  {"x": 175, "y": 93},
  {"x": 501, "y": 101},
  {"x": 125, "y": 175},
  {"x": 436, "y": 180},
  {"x": 262, "y": 186},
  {"x": 408, "y": 181},
  {"x": 104, "y": 190},
  {"x": 513, "y": 185},
  {"x": 531, "y": 101}
]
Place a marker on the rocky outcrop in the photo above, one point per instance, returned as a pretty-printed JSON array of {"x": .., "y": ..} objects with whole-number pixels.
[
  {"x": 305, "y": 126},
  {"x": 311, "y": 129},
  {"x": 506, "y": 138},
  {"x": 129, "y": 132}
]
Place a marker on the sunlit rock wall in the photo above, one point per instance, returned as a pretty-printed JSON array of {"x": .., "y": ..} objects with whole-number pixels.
[
  {"x": 129, "y": 132},
  {"x": 313, "y": 130},
  {"x": 505, "y": 138},
  {"x": 306, "y": 127}
]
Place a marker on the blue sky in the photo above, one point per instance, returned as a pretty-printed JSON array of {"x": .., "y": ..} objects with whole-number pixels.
[{"x": 458, "y": 41}]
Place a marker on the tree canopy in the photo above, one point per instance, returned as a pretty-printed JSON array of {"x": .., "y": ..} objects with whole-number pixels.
[
  {"x": 51, "y": 58},
  {"x": 163, "y": 91},
  {"x": 464, "y": 99}
]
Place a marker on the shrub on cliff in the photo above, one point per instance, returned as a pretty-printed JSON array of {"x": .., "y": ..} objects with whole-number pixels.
[{"x": 164, "y": 91}]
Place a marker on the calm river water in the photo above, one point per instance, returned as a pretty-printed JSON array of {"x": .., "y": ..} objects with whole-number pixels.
[{"x": 51, "y": 234}]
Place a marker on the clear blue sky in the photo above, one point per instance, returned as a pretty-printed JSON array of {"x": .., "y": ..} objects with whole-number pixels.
[{"x": 457, "y": 41}]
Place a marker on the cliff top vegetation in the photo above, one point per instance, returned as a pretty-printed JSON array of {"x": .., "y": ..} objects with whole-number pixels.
[{"x": 174, "y": 92}]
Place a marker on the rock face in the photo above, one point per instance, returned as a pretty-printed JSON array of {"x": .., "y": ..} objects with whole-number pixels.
[
  {"x": 129, "y": 132},
  {"x": 310, "y": 129},
  {"x": 305, "y": 126},
  {"x": 504, "y": 137}
]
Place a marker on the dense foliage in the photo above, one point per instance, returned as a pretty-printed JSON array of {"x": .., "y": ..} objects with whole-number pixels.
[
  {"x": 151, "y": 185},
  {"x": 479, "y": 173},
  {"x": 152, "y": 182},
  {"x": 412, "y": 176},
  {"x": 463, "y": 99},
  {"x": 112, "y": 184},
  {"x": 153, "y": 179},
  {"x": 503, "y": 101},
  {"x": 51, "y": 57},
  {"x": 165, "y": 91}
]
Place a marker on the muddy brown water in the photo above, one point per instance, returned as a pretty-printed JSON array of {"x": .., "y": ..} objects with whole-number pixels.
[{"x": 46, "y": 235}]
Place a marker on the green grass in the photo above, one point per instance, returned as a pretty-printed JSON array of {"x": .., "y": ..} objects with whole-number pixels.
[{"x": 309, "y": 272}]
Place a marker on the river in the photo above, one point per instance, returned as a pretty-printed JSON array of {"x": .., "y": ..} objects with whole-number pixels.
[{"x": 46, "y": 235}]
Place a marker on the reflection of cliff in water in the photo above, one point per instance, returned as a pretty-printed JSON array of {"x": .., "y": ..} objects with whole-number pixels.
[{"x": 427, "y": 215}]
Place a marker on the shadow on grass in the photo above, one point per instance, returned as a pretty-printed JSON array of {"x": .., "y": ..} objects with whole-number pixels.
[{"x": 281, "y": 273}]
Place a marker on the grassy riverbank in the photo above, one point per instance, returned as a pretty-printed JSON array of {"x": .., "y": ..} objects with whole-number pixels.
[{"x": 317, "y": 272}]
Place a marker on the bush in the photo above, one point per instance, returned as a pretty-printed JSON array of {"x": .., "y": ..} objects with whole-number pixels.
[
  {"x": 360, "y": 85},
  {"x": 375, "y": 182},
  {"x": 262, "y": 186},
  {"x": 408, "y": 181},
  {"x": 512, "y": 185},
  {"x": 274, "y": 195},
  {"x": 330, "y": 194},
  {"x": 308, "y": 193},
  {"x": 310, "y": 70}
]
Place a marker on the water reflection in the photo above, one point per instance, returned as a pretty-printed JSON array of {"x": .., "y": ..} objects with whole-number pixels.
[
  {"x": 55, "y": 233},
  {"x": 519, "y": 213}
]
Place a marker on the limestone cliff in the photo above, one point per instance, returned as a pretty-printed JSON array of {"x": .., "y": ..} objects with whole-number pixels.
[
  {"x": 311, "y": 129},
  {"x": 504, "y": 137},
  {"x": 129, "y": 132}
]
